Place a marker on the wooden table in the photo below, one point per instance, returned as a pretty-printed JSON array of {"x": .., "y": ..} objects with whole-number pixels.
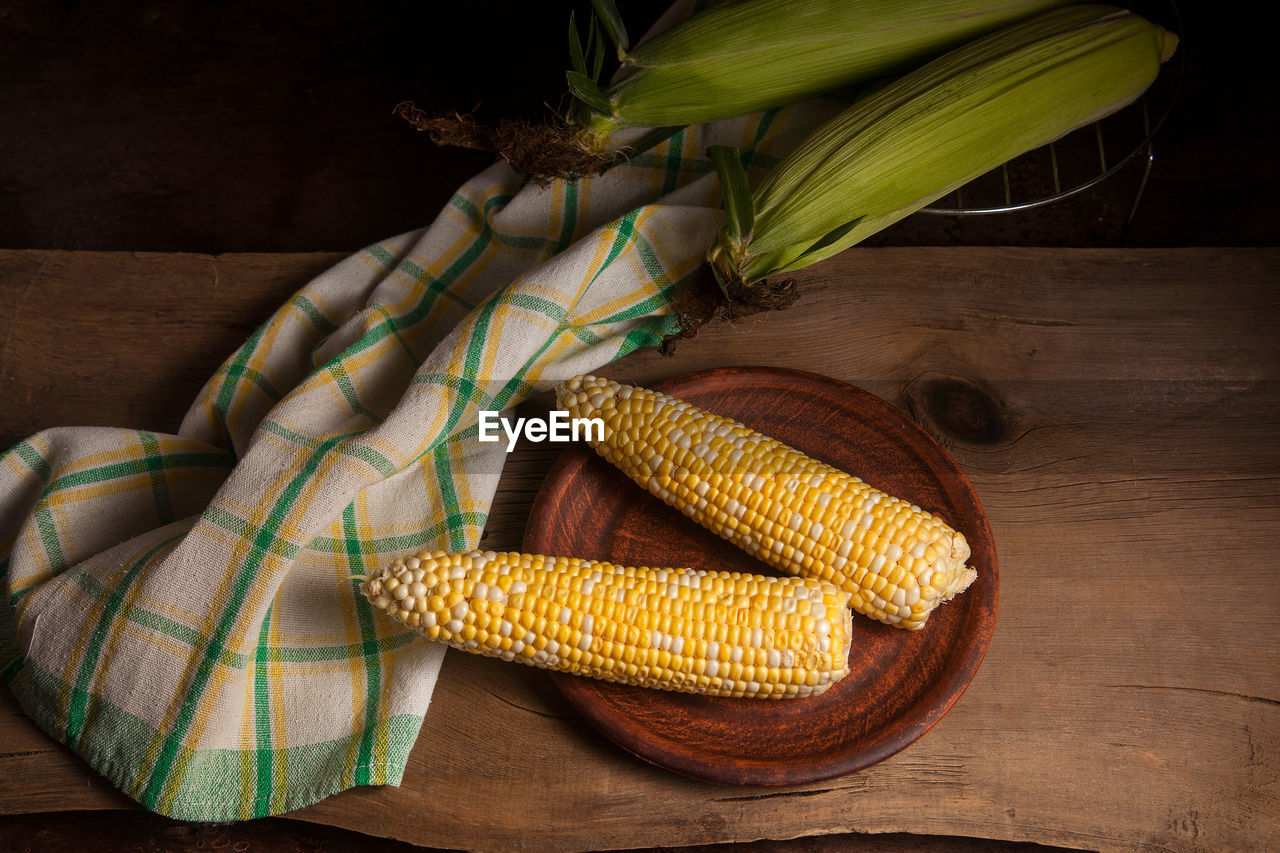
[{"x": 1117, "y": 412}]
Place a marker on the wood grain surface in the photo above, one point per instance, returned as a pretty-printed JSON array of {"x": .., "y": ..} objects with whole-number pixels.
[{"x": 1116, "y": 412}]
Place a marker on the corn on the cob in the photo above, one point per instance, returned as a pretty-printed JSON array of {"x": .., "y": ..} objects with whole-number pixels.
[
  {"x": 727, "y": 60},
  {"x": 716, "y": 633},
  {"x": 736, "y": 58},
  {"x": 937, "y": 128},
  {"x": 795, "y": 513}
]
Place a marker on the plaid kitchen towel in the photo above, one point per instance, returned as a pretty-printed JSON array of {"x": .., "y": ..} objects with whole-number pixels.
[{"x": 182, "y": 610}]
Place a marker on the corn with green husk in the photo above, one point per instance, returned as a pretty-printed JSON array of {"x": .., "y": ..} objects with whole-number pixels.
[
  {"x": 727, "y": 60},
  {"x": 930, "y": 132},
  {"x": 738, "y": 58}
]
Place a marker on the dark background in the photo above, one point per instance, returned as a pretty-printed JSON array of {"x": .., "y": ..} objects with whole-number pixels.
[
  {"x": 268, "y": 127},
  {"x": 237, "y": 126}
]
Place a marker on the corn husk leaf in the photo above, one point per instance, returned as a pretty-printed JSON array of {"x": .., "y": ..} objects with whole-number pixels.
[
  {"x": 586, "y": 90},
  {"x": 743, "y": 57},
  {"x": 736, "y": 192},
  {"x": 611, "y": 20},
  {"x": 943, "y": 125}
]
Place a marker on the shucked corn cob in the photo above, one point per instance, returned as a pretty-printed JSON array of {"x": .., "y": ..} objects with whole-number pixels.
[
  {"x": 795, "y": 513},
  {"x": 717, "y": 633},
  {"x": 934, "y": 130}
]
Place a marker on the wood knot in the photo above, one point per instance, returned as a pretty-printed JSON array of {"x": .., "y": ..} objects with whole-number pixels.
[{"x": 959, "y": 409}]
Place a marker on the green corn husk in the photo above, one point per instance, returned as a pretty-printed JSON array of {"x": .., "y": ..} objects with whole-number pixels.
[
  {"x": 727, "y": 60},
  {"x": 934, "y": 130},
  {"x": 751, "y": 55}
]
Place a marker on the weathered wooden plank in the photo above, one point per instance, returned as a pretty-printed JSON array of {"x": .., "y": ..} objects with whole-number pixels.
[
  {"x": 127, "y": 338},
  {"x": 1117, "y": 412}
]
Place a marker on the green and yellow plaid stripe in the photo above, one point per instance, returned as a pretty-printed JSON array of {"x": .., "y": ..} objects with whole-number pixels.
[{"x": 182, "y": 609}]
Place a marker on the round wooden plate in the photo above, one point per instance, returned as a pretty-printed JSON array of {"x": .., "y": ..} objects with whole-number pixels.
[{"x": 900, "y": 682}]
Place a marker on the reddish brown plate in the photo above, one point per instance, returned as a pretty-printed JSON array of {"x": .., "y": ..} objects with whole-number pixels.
[{"x": 900, "y": 682}]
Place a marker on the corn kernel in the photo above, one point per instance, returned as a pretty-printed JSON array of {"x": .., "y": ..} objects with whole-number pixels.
[{"x": 567, "y": 617}]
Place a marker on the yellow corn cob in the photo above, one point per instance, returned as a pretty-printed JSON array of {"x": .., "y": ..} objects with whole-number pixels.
[
  {"x": 795, "y": 513},
  {"x": 716, "y": 633}
]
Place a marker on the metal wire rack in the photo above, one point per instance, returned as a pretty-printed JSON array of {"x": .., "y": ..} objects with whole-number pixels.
[{"x": 1087, "y": 156}]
